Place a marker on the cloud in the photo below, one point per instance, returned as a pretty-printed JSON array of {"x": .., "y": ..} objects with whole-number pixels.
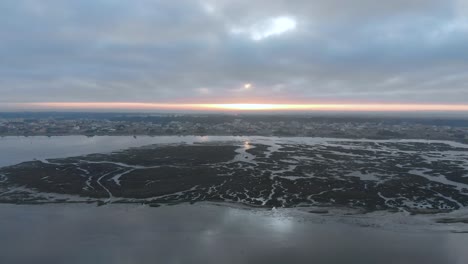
[
  {"x": 268, "y": 28},
  {"x": 201, "y": 51}
]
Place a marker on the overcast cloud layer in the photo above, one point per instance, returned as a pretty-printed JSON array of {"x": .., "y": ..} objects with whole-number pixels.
[{"x": 207, "y": 51}]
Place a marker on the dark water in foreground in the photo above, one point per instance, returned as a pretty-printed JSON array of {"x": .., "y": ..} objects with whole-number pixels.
[{"x": 206, "y": 234}]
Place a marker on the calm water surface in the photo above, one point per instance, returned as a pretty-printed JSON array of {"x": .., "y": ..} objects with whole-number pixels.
[
  {"x": 205, "y": 234},
  {"x": 201, "y": 233},
  {"x": 18, "y": 149}
]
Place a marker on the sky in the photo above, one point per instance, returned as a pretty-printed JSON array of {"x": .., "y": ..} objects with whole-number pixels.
[{"x": 237, "y": 52}]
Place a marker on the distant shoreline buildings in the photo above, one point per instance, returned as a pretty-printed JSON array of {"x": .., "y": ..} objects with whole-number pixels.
[{"x": 156, "y": 125}]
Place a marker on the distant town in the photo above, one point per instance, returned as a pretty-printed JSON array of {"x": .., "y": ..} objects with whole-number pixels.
[{"x": 98, "y": 124}]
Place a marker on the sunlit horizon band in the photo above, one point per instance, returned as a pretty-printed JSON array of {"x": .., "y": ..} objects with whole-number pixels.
[{"x": 384, "y": 107}]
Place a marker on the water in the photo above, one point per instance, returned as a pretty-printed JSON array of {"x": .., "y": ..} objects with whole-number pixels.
[
  {"x": 201, "y": 233},
  {"x": 14, "y": 150},
  {"x": 205, "y": 234},
  {"x": 18, "y": 149}
]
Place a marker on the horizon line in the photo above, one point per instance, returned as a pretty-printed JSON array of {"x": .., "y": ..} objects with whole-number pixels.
[{"x": 317, "y": 107}]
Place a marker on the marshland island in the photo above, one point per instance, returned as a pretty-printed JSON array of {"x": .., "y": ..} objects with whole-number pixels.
[{"x": 418, "y": 176}]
